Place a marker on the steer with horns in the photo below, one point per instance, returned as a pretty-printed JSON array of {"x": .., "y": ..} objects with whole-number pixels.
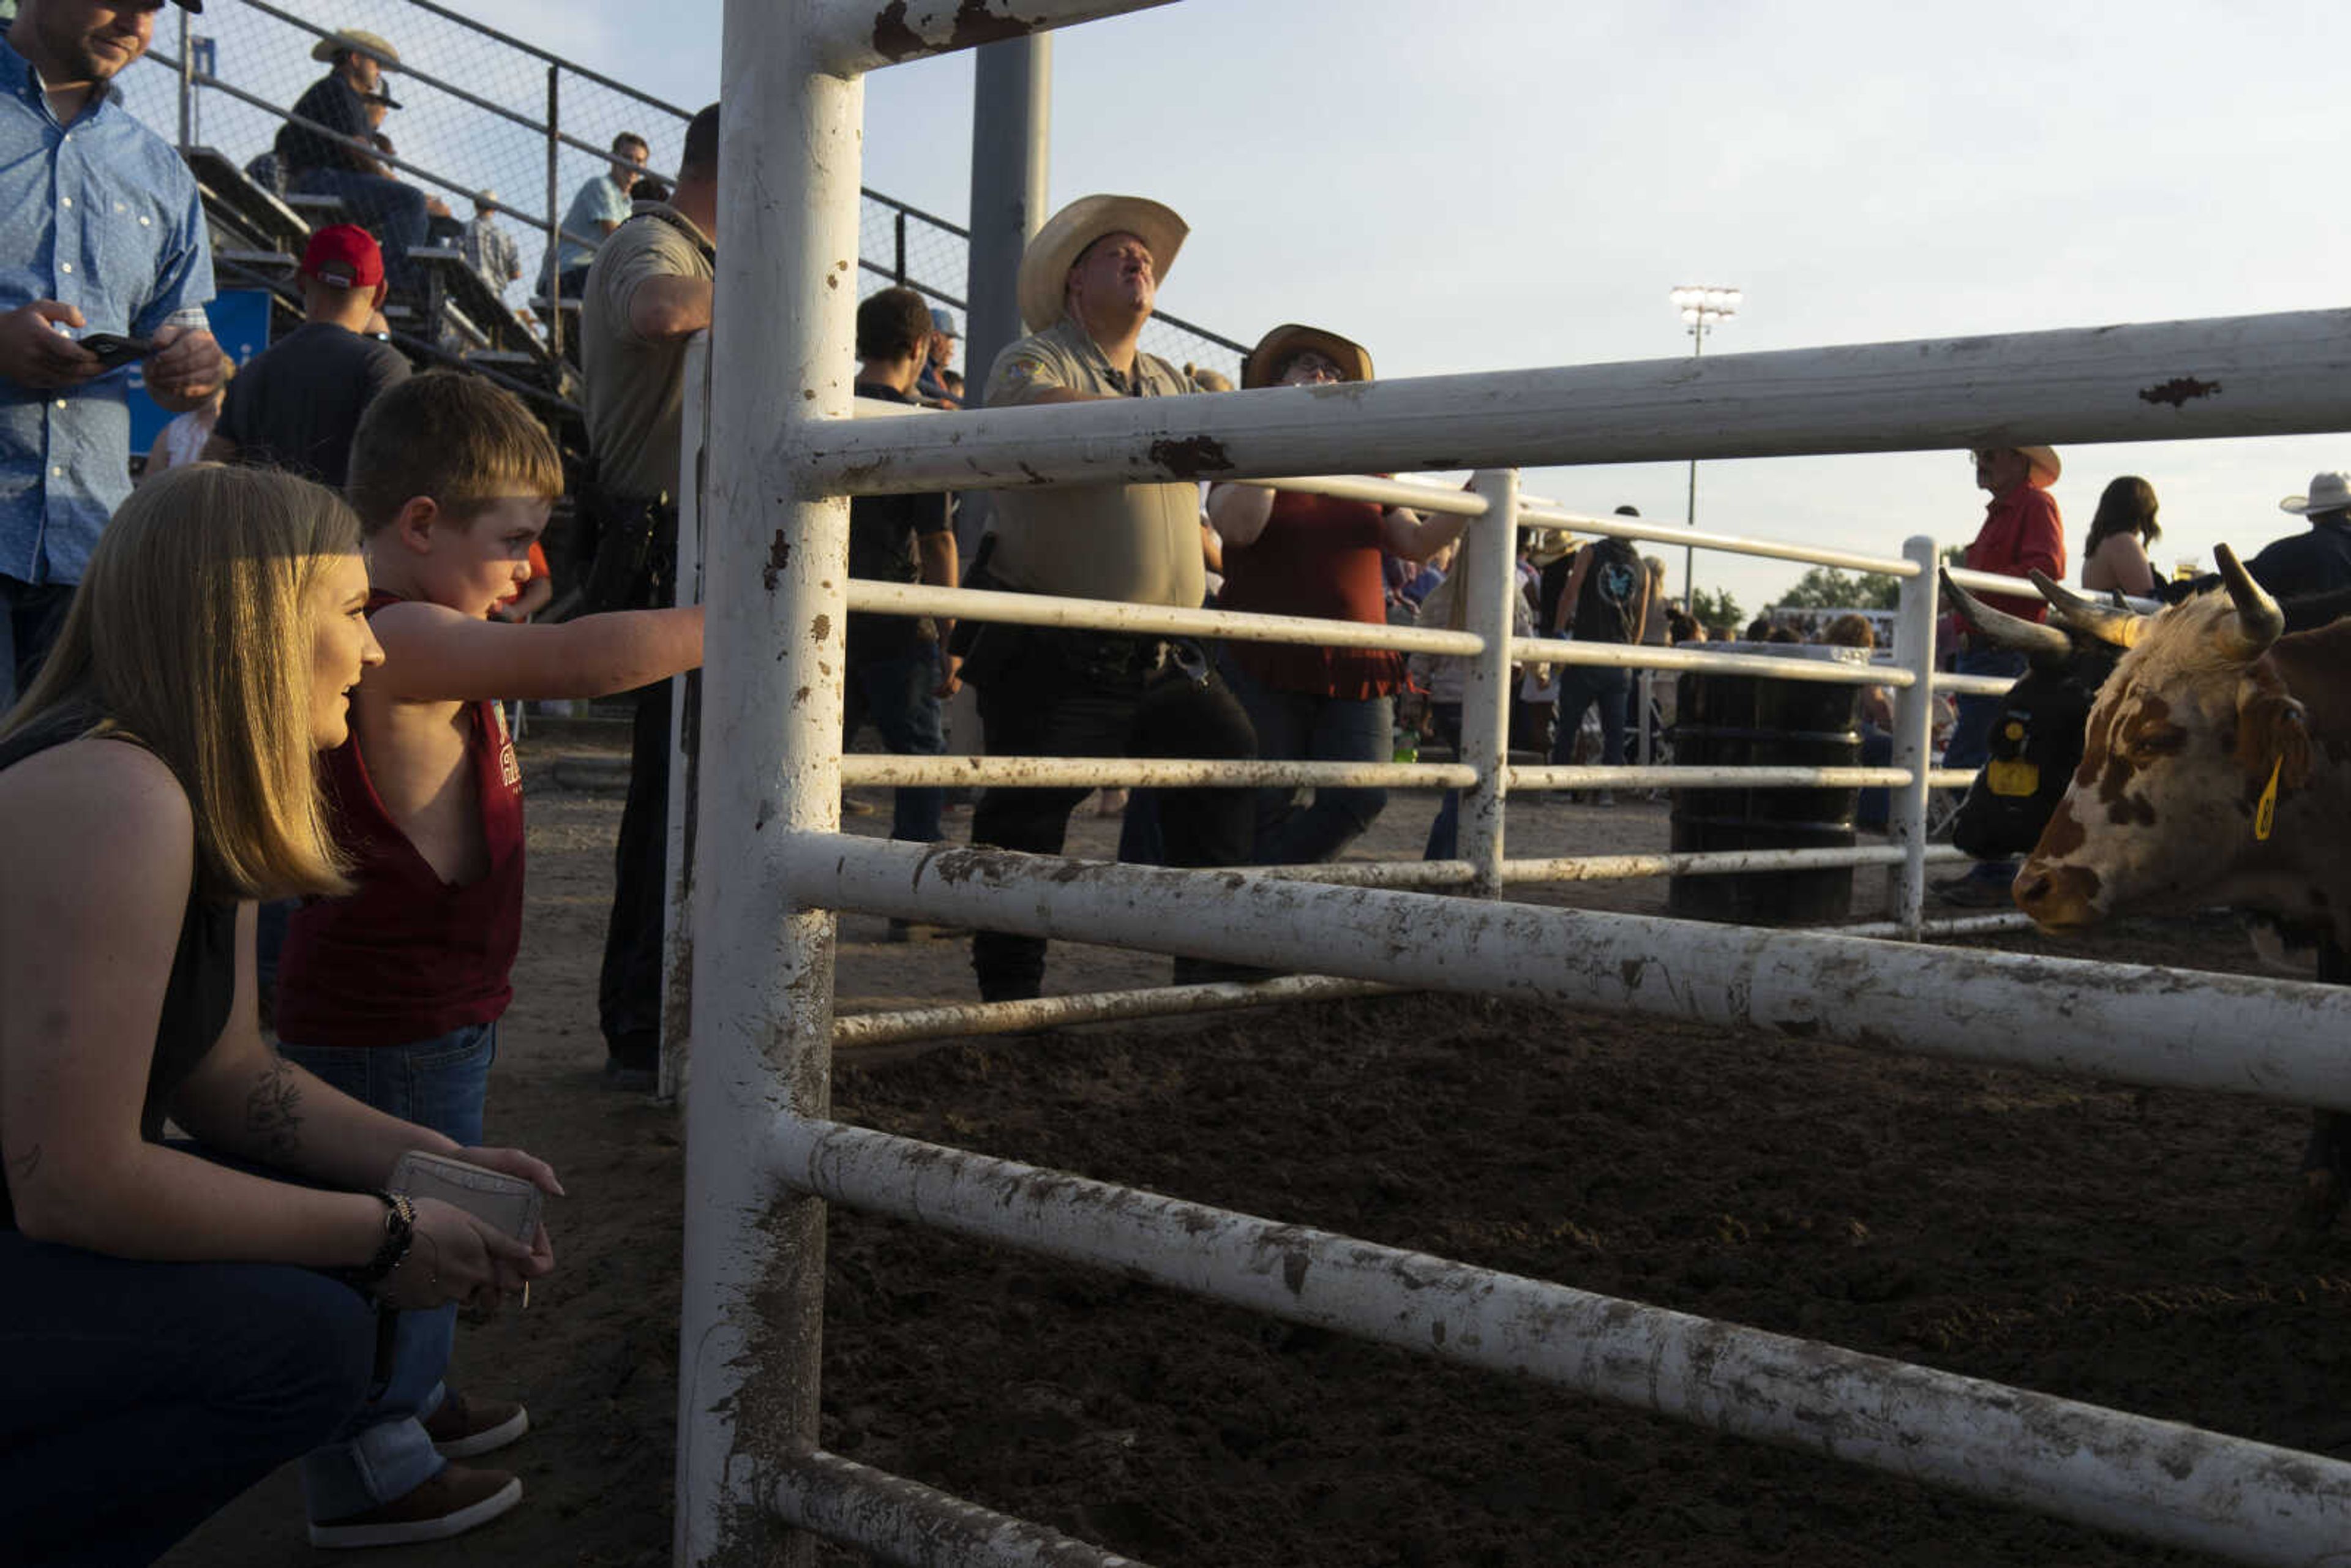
[
  {"x": 2215, "y": 769},
  {"x": 2036, "y": 740}
]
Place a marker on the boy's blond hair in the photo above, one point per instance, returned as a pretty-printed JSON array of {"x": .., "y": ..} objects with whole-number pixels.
[
  {"x": 190, "y": 634},
  {"x": 451, "y": 437}
]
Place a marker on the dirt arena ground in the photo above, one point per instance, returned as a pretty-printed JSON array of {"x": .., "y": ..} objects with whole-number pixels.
[{"x": 2067, "y": 1234}]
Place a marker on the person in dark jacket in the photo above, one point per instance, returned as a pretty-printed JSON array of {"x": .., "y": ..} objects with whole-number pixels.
[{"x": 318, "y": 165}]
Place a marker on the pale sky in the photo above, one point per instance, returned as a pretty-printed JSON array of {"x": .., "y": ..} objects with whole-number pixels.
[{"x": 1500, "y": 183}]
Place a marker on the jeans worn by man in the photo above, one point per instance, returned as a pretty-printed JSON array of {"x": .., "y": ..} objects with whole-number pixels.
[
  {"x": 1580, "y": 686},
  {"x": 898, "y": 693},
  {"x": 1314, "y": 729},
  {"x": 1087, "y": 694}
]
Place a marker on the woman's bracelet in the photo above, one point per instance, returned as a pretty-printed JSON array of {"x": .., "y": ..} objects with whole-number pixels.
[{"x": 399, "y": 1235}]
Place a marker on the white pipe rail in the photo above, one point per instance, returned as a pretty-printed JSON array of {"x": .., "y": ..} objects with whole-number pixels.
[
  {"x": 854, "y": 1031},
  {"x": 1976, "y": 582},
  {"x": 2159, "y": 1480},
  {"x": 1148, "y": 772},
  {"x": 2283, "y": 374},
  {"x": 1972, "y": 685},
  {"x": 1696, "y": 656},
  {"x": 864, "y": 594},
  {"x": 1708, "y": 862},
  {"x": 1372, "y": 873},
  {"x": 2272, "y": 1039},
  {"x": 1571, "y": 776},
  {"x": 905, "y": 1523},
  {"x": 1551, "y": 515},
  {"x": 1956, "y": 925},
  {"x": 1380, "y": 492}
]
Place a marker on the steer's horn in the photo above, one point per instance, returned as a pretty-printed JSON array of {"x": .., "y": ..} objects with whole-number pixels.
[
  {"x": 2260, "y": 621},
  {"x": 2119, "y": 628},
  {"x": 2030, "y": 638}
]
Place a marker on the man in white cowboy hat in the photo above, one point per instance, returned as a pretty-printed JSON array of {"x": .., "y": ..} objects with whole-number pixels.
[
  {"x": 1087, "y": 284},
  {"x": 2022, "y": 532},
  {"x": 2320, "y": 559},
  {"x": 74, "y": 164},
  {"x": 316, "y": 163}
]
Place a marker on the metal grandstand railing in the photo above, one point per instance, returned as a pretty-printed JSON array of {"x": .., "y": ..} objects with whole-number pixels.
[{"x": 482, "y": 110}]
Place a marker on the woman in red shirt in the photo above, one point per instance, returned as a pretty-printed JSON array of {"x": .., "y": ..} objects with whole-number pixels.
[{"x": 1288, "y": 553}]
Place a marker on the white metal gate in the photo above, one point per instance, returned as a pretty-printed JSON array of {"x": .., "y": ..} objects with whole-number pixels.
[{"x": 771, "y": 866}]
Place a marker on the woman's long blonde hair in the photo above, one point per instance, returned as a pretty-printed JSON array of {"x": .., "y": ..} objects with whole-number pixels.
[{"x": 190, "y": 634}]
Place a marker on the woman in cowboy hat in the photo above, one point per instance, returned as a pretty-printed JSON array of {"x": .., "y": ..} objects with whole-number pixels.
[{"x": 1289, "y": 553}]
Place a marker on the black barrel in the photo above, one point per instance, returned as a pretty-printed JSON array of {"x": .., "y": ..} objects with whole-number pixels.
[{"x": 1738, "y": 720}]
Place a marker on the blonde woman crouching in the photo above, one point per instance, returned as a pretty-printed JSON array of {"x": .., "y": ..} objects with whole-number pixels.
[{"x": 177, "y": 1320}]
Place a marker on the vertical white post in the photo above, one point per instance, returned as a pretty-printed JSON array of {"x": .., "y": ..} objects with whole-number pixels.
[
  {"x": 684, "y": 736},
  {"x": 1914, "y": 731},
  {"x": 1486, "y": 696},
  {"x": 751, "y": 1318}
]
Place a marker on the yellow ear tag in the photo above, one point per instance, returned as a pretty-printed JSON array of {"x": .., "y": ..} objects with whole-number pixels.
[
  {"x": 2265, "y": 813},
  {"x": 2015, "y": 777}
]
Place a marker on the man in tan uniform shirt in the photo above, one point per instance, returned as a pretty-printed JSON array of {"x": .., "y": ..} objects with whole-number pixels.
[
  {"x": 1087, "y": 284},
  {"x": 649, "y": 290}
]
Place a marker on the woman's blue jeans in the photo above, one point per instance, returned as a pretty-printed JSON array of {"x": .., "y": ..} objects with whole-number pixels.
[
  {"x": 1304, "y": 726},
  {"x": 439, "y": 1083},
  {"x": 141, "y": 1397}
]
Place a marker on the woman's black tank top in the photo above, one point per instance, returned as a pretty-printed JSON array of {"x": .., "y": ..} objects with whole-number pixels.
[{"x": 203, "y": 969}]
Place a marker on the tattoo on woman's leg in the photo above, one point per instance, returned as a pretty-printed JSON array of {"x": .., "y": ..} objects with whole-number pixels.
[{"x": 273, "y": 1111}]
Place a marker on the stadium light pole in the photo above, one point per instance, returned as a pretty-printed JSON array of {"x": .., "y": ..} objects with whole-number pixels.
[{"x": 1703, "y": 306}]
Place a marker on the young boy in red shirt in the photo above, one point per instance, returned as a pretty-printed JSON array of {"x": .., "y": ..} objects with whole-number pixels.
[{"x": 393, "y": 993}]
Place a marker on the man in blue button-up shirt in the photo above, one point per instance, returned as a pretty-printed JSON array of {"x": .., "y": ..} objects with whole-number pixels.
[{"x": 105, "y": 233}]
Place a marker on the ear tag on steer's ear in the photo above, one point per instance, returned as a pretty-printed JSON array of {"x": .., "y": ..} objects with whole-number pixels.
[
  {"x": 2265, "y": 813},
  {"x": 2013, "y": 776}
]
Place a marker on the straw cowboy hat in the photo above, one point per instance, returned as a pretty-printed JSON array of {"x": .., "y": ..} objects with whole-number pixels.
[
  {"x": 1545, "y": 546},
  {"x": 1045, "y": 264},
  {"x": 365, "y": 42},
  {"x": 2328, "y": 493},
  {"x": 1288, "y": 340},
  {"x": 2040, "y": 462},
  {"x": 2044, "y": 460}
]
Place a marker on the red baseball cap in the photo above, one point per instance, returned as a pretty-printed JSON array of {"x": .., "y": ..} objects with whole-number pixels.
[{"x": 345, "y": 255}]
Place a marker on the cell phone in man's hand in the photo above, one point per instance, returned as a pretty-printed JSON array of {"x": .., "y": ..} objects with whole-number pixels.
[{"x": 114, "y": 352}]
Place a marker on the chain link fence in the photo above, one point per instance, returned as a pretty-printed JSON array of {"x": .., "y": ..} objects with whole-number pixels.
[{"x": 484, "y": 111}]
